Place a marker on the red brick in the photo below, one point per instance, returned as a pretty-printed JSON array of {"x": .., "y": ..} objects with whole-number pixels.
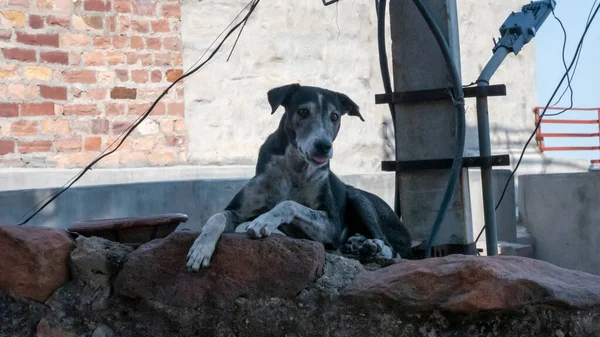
[
  {"x": 145, "y": 59},
  {"x": 176, "y": 109},
  {"x": 100, "y": 126},
  {"x": 139, "y": 76},
  {"x": 172, "y": 43},
  {"x": 59, "y": 57},
  {"x": 36, "y": 21},
  {"x": 96, "y": 94},
  {"x": 35, "y": 146},
  {"x": 37, "y": 109},
  {"x": 124, "y": 23},
  {"x": 80, "y": 76},
  {"x": 58, "y": 93},
  {"x": 163, "y": 59},
  {"x": 93, "y": 144},
  {"x": 123, "y": 93},
  {"x": 88, "y": 22},
  {"x": 102, "y": 42},
  {"x": 122, "y": 6},
  {"x": 122, "y": 75},
  {"x": 120, "y": 42},
  {"x": 61, "y": 21},
  {"x": 161, "y": 26},
  {"x": 93, "y": 58},
  {"x": 174, "y": 74},
  {"x": 9, "y": 109},
  {"x": 73, "y": 40},
  {"x": 174, "y": 141},
  {"x": 132, "y": 58},
  {"x": 68, "y": 144},
  {"x": 7, "y": 146},
  {"x": 51, "y": 126},
  {"x": 171, "y": 11},
  {"x": 111, "y": 23},
  {"x": 139, "y": 109},
  {"x": 5, "y": 35},
  {"x": 114, "y": 58},
  {"x": 24, "y": 128},
  {"x": 19, "y": 3},
  {"x": 97, "y": 5},
  {"x": 156, "y": 76},
  {"x": 120, "y": 127},
  {"x": 145, "y": 143},
  {"x": 50, "y": 40},
  {"x": 140, "y": 26},
  {"x": 153, "y": 43},
  {"x": 81, "y": 110},
  {"x": 177, "y": 60},
  {"x": 161, "y": 158},
  {"x": 137, "y": 42},
  {"x": 144, "y": 8},
  {"x": 115, "y": 109},
  {"x": 23, "y": 55}
]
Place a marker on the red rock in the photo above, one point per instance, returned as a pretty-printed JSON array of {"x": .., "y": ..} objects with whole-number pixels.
[
  {"x": 460, "y": 283},
  {"x": 277, "y": 266},
  {"x": 34, "y": 261}
]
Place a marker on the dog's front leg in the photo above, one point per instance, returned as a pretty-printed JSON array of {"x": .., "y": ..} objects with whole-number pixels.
[
  {"x": 315, "y": 224},
  {"x": 204, "y": 246}
]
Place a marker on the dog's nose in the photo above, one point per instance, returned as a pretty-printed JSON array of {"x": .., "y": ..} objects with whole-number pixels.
[{"x": 323, "y": 146}]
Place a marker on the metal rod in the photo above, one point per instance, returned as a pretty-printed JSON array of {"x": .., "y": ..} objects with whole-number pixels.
[{"x": 483, "y": 128}]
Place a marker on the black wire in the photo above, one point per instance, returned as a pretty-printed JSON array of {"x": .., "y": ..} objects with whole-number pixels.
[
  {"x": 569, "y": 78},
  {"x": 537, "y": 125},
  {"x": 253, "y": 3}
]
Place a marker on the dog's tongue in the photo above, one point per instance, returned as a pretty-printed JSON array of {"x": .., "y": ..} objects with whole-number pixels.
[{"x": 319, "y": 160}]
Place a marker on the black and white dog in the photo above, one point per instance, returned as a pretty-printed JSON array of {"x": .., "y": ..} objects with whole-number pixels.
[{"x": 295, "y": 193}]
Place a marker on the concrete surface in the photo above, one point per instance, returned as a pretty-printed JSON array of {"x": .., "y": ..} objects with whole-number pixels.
[{"x": 562, "y": 213}]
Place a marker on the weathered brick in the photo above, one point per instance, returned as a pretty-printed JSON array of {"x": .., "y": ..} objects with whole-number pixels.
[
  {"x": 9, "y": 109},
  {"x": 145, "y": 59},
  {"x": 36, "y": 21},
  {"x": 114, "y": 109},
  {"x": 93, "y": 144},
  {"x": 81, "y": 110},
  {"x": 176, "y": 109},
  {"x": 171, "y": 10},
  {"x": 153, "y": 43},
  {"x": 17, "y": 91},
  {"x": 80, "y": 159},
  {"x": 76, "y": 92},
  {"x": 75, "y": 58},
  {"x": 137, "y": 42},
  {"x": 114, "y": 57},
  {"x": 68, "y": 144},
  {"x": 161, "y": 158},
  {"x": 174, "y": 141},
  {"x": 139, "y": 76},
  {"x": 24, "y": 128},
  {"x": 37, "y": 73},
  {"x": 106, "y": 77},
  {"x": 97, "y": 5},
  {"x": 61, "y": 21},
  {"x": 73, "y": 40},
  {"x": 112, "y": 141},
  {"x": 93, "y": 58},
  {"x": 161, "y": 26},
  {"x": 80, "y": 76},
  {"x": 144, "y": 8},
  {"x": 174, "y": 74},
  {"x": 50, "y": 40},
  {"x": 58, "y": 93},
  {"x": 163, "y": 59},
  {"x": 111, "y": 24},
  {"x": 123, "y": 23},
  {"x": 171, "y": 43},
  {"x": 9, "y": 71},
  {"x": 20, "y": 54},
  {"x": 33, "y": 91},
  {"x": 3, "y": 91},
  {"x": 37, "y": 109},
  {"x": 35, "y": 146},
  {"x": 96, "y": 94},
  {"x": 132, "y": 58},
  {"x": 19, "y": 3},
  {"x": 58, "y": 57},
  {"x": 88, "y": 22},
  {"x": 140, "y": 26},
  {"x": 14, "y": 18},
  {"x": 55, "y": 126},
  {"x": 122, "y": 75},
  {"x": 118, "y": 127},
  {"x": 120, "y": 41},
  {"x": 156, "y": 76},
  {"x": 102, "y": 42},
  {"x": 139, "y": 109},
  {"x": 5, "y": 34},
  {"x": 7, "y": 146},
  {"x": 177, "y": 60},
  {"x": 134, "y": 158},
  {"x": 167, "y": 125},
  {"x": 123, "y": 93},
  {"x": 122, "y": 6},
  {"x": 144, "y": 143},
  {"x": 100, "y": 126},
  {"x": 180, "y": 126},
  {"x": 58, "y": 5}
]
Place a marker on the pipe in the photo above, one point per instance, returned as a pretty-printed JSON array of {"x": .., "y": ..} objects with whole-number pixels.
[{"x": 483, "y": 128}]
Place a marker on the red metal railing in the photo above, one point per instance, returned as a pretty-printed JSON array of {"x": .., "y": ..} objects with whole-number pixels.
[{"x": 548, "y": 120}]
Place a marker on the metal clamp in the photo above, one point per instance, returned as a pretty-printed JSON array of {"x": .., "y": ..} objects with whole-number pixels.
[
  {"x": 416, "y": 96},
  {"x": 443, "y": 164}
]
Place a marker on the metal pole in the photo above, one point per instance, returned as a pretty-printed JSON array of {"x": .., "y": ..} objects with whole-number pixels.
[{"x": 483, "y": 128}]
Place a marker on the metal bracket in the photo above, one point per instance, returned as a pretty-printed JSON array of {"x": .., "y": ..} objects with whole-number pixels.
[
  {"x": 418, "y": 252},
  {"x": 416, "y": 96},
  {"x": 442, "y": 164}
]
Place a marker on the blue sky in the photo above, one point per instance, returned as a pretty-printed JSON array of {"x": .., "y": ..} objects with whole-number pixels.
[{"x": 550, "y": 69}]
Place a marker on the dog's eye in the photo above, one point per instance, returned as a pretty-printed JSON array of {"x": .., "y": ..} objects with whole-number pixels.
[
  {"x": 303, "y": 113},
  {"x": 335, "y": 117}
]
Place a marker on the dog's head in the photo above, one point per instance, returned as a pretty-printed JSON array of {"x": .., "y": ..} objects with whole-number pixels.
[{"x": 312, "y": 118}]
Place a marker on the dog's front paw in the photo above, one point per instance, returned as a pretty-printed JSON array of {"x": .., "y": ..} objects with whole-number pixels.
[
  {"x": 262, "y": 226},
  {"x": 365, "y": 249},
  {"x": 200, "y": 254}
]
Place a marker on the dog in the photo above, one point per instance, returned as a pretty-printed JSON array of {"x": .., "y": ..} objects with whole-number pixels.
[{"x": 294, "y": 192}]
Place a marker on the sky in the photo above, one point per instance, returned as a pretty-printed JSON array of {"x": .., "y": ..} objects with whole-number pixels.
[{"x": 550, "y": 69}]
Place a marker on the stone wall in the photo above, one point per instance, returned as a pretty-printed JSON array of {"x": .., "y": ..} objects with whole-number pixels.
[{"x": 75, "y": 74}]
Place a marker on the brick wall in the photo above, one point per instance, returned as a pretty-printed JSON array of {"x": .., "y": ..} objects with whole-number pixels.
[{"x": 74, "y": 75}]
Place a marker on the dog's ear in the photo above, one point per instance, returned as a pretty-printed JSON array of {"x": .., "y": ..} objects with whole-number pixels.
[
  {"x": 278, "y": 96},
  {"x": 349, "y": 106}
]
